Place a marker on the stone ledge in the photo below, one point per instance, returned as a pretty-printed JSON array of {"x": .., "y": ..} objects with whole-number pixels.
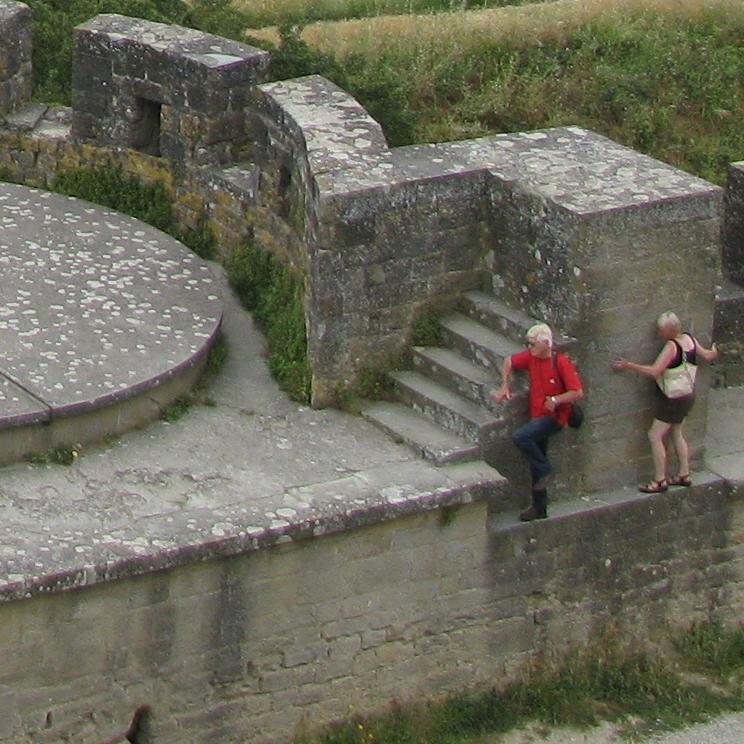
[
  {"x": 614, "y": 502},
  {"x": 578, "y": 170},
  {"x": 362, "y": 499},
  {"x": 205, "y": 51}
]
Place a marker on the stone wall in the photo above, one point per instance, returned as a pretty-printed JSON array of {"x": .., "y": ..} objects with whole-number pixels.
[
  {"x": 257, "y": 646},
  {"x": 15, "y": 55},
  {"x": 729, "y": 322}
]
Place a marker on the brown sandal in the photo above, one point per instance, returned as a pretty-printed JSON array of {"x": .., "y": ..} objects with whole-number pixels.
[
  {"x": 655, "y": 486},
  {"x": 680, "y": 480}
]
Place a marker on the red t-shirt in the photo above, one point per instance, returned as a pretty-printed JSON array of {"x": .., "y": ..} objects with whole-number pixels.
[{"x": 548, "y": 377}]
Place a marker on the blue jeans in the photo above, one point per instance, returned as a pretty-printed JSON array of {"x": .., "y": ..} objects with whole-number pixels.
[{"x": 532, "y": 442}]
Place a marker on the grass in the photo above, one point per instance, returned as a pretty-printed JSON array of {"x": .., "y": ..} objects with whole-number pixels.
[
  {"x": 61, "y": 455},
  {"x": 639, "y": 691},
  {"x": 713, "y": 649}
]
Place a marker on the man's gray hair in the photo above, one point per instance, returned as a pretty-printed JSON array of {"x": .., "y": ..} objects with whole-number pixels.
[{"x": 540, "y": 332}]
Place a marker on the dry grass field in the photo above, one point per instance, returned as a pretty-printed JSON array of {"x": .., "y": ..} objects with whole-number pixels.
[{"x": 463, "y": 31}]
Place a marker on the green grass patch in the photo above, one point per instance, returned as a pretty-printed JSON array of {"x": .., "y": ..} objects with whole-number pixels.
[
  {"x": 62, "y": 455},
  {"x": 427, "y": 329},
  {"x": 610, "y": 682},
  {"x": 177, "y": 409},
  {"x": 275, "y": 296},
  {"x": 713, "y": 649}
]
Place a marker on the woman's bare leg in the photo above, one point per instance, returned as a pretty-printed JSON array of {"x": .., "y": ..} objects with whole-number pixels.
[
  {"x": 681, "y": 448},
  {"x": 656, "y": 435}
]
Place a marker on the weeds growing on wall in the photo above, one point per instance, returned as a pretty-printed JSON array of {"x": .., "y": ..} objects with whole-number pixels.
[
  {"x": 427, "y": 329},
  {"x": 639, "y": 691},
  {"x": 113, "y": 188},
  {"x": 275, "y": 296},
  {"x": 151, "y": 203}
]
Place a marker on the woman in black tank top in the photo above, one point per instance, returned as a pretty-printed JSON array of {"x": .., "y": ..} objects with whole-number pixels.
[{"x": 670, "y": 413}]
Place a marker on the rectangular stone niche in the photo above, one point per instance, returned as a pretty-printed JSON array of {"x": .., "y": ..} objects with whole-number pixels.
[{"x": 144, "y": 121}]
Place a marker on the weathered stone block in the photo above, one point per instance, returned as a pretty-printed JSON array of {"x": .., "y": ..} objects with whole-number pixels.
[
  {"x": 152, "y": 66},
  {"x": 15, "y": 55}
]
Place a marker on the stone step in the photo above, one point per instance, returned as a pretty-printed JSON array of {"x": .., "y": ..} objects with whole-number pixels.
[
  {"x": 457, "y": 373},
  {"x": 425, "y": 437},
  {"x": 446, "y": 408},
  {"x": 501, "y": 318},
  {"x": 478, "y": 343}
]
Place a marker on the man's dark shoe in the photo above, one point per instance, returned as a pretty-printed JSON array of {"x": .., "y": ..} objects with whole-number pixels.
[{"x": 529, "y": 514}]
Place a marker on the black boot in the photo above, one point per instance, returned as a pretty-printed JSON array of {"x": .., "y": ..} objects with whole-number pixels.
[{"x": 539, "y": 508}]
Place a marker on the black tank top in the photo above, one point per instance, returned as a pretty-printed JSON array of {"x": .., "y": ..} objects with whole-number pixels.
[{"x": 691, "y": 355}]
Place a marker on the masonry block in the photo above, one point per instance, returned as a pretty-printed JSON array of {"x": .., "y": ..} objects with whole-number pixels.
[
  {"x": 163, "y": 90},
  {"x": 15, "y": 55}
]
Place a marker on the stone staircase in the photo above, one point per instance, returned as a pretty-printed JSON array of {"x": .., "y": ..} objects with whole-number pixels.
[{"x": 443, "y": 409}]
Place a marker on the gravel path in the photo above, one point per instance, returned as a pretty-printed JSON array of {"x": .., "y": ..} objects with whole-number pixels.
[{"x": 727, "y": 729}]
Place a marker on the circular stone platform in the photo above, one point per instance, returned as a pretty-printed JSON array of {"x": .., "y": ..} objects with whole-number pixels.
[{"x": 103, "y": 321}]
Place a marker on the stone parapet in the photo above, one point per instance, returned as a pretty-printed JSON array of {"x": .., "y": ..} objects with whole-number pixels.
[
  {"x": 164, "y": 90},
  {"x": 301, "y": 129},
  {"x": 15, "y": 55}
]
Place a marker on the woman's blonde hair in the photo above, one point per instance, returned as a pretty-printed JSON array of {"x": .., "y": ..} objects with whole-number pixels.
[
  {"x": 540, "y": 332},
  {"x": 669, "y": 320}
]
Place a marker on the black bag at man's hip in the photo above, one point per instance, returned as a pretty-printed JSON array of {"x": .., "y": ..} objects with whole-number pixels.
[{"x": 576, "y": 418}]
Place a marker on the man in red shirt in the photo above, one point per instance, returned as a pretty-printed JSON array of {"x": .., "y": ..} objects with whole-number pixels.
[{"x": 554, "y": 385}]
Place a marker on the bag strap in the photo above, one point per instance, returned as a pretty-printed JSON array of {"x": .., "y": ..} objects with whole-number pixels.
[
  {"x": 558, "y": 370},
  {"x": 683, "y": 353}
]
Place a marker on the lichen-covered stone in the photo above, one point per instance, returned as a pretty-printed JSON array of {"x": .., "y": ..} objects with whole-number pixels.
[{"x": 165, "y": 90}]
